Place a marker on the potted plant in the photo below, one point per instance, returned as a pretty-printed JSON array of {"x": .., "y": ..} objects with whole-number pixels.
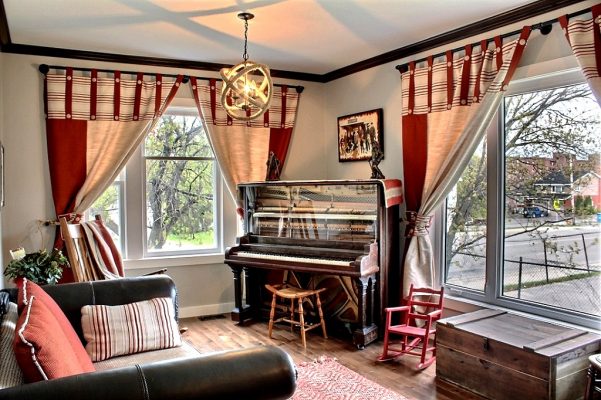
[{"x": 40, "y": 267}]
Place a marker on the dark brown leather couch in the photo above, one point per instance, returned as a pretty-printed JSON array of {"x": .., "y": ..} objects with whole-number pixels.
[{"x": 259, "y": 373}]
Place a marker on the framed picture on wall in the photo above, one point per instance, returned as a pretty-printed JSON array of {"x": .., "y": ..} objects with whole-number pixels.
[{"x": 359, "y": 134}]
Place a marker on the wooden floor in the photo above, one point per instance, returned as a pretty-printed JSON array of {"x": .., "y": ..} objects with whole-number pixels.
[{"x": 401, "y": 376}]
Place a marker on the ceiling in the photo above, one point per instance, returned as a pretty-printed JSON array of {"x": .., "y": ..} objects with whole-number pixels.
[{"x": 309, "y": 36}]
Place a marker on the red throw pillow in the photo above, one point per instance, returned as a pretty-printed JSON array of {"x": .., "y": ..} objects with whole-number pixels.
[
  {"x": 42, "y": 350},
  {"x": 27, "y": 289}
]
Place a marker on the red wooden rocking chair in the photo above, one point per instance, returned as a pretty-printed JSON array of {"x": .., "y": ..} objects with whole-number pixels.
[{"x": 423, "y": 304}]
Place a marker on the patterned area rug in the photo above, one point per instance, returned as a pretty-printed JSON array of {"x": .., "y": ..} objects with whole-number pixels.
[{"x": 326, "y": 379}]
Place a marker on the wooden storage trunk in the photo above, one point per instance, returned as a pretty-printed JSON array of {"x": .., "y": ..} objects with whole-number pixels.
[{"x": 501, "y": 355}]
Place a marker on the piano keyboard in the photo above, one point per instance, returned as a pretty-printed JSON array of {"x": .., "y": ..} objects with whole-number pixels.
[{"x": 306, "y": 260}]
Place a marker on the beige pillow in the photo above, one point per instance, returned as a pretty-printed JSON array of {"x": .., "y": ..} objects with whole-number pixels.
[{"x": 112, "y": 331}]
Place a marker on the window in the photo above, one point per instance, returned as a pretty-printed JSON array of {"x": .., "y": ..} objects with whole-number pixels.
[
  {"x": 517, "y": 233},
  {"x": 180, "y": 186},
  {"x": 172, "y": 190}
]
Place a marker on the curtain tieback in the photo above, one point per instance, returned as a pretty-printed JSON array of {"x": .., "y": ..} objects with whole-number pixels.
[{"x": 417, "y": 224}]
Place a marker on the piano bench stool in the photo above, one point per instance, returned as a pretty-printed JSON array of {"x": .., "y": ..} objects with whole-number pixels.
[{"x": 293, "y": 293}]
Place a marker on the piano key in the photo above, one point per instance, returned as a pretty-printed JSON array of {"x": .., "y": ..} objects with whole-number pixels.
[{"x": 307, "y": 260}]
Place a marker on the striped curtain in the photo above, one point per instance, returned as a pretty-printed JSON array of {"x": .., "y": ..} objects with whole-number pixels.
[
  {"x": 243, "y": 148},
  {"x": 93, "y": 125},
  {"x": 447, "y": 106},
  {"x": 584, "y": 37}
]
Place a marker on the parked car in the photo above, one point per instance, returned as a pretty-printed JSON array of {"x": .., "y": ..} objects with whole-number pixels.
[{"x": 534, "y": 212}]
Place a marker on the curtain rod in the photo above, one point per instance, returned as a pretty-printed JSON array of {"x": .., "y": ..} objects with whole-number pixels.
[
  {"x": 544, "y": 27},
  {"x": 45, "y": 68}
]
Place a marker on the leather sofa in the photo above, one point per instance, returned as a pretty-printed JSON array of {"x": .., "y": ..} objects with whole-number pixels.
[{"x": 258, "y": 373}]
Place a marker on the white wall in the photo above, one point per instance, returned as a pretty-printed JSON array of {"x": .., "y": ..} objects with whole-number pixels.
[
  {"x": 377, "y": 87},
  {"x": 203, "y": 288}
]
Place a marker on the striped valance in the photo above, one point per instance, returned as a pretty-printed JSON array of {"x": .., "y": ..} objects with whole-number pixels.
[
  {"x": 92, "y": 96},
  {"x": 461, "y": 78},
  {"x": 584, "y": 37},
  {"x": 281, "y": 112}
]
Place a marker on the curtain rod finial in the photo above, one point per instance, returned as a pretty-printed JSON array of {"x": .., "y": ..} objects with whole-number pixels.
[
  {"x": 44, "y": 68},
  {"x": 299, "y": 89},
  {"x": 544, "y": 27},
  {"x": 402, "y": 68}
]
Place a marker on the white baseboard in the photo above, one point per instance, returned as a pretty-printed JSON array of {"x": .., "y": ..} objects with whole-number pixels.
[{"x": 209, "y": 309}]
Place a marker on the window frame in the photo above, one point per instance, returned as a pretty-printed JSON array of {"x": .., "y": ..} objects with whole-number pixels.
[
  {"x": 135, "y": 241},
  {"x": 495, "y": 137}
]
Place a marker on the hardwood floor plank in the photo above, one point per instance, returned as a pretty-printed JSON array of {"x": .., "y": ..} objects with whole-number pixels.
[{"x": 400, "y": 375}]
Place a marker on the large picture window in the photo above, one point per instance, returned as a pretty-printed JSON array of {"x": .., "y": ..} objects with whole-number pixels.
[{"x": 522, "y": 224}]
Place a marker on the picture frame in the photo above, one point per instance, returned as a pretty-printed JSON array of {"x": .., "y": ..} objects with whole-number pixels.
[{"x": 357, "y": 134}]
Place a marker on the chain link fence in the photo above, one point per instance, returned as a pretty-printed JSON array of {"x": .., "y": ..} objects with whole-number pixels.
[
  {"x": 551, "y": 276},
  {"x": 572, "y": 288}
]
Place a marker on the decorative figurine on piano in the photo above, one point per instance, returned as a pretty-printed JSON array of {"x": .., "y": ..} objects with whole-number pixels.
[
  {"x": 273, "y": 168},
  {"x": 376, "y": 156}
]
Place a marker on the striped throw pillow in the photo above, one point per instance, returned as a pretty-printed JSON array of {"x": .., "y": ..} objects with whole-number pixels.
[
  {"x": 112, "y": 331},
  {"x": 10, "y": 372}
]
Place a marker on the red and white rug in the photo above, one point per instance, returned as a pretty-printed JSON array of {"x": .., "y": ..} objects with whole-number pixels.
[{"x": 326, "y": 379}]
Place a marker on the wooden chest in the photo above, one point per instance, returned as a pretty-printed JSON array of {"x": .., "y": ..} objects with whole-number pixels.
[{"x": 500, "y": 355}]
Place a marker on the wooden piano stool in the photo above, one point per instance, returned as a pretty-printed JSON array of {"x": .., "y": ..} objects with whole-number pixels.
[{"x": 293, "y": 293}]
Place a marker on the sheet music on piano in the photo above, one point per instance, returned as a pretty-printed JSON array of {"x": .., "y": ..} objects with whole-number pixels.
[{"x": 341, "y": 232}]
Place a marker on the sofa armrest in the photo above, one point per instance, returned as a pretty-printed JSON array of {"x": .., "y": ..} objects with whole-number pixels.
[
  {"x": 259, "y": 373},
  {"x": 72, "y": 296}
]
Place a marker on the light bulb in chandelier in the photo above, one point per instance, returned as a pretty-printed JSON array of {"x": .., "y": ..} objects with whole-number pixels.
[{"x": 247, "y": 87}]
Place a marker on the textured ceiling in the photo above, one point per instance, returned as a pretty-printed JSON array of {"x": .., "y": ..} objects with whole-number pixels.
[{"x": 314, "y": 36}]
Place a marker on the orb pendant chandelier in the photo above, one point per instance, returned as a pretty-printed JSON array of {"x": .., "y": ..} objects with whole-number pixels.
[{"x": 247, "y": 87}]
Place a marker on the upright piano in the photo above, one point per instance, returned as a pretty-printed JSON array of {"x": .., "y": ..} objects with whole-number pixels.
[{"x": 344, "y": 234}]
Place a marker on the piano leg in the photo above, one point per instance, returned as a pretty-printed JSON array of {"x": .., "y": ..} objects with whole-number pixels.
[
  {"x": 241, "y": 312},
  {"x": 368, "y": 331}
]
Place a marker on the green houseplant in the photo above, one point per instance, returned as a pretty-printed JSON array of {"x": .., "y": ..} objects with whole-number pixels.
[{"x": 40, "y": 267}]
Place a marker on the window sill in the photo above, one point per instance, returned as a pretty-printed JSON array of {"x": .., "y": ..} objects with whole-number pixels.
[
  {"x": 463, "y": 305},
  {"x": 173, "y": 261}
]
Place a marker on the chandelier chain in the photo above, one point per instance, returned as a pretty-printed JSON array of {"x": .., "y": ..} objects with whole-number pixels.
[{"x": 245, "y": 55}]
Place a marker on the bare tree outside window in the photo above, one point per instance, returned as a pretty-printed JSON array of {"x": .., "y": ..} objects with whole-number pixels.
[{"x": 180, "y": 186}]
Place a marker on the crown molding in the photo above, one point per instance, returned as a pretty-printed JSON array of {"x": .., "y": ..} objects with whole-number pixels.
[
  {"x": 141, "y": 60},
  {"x": 4, "y": 32},
  {"x": 485, "y": 25}
]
